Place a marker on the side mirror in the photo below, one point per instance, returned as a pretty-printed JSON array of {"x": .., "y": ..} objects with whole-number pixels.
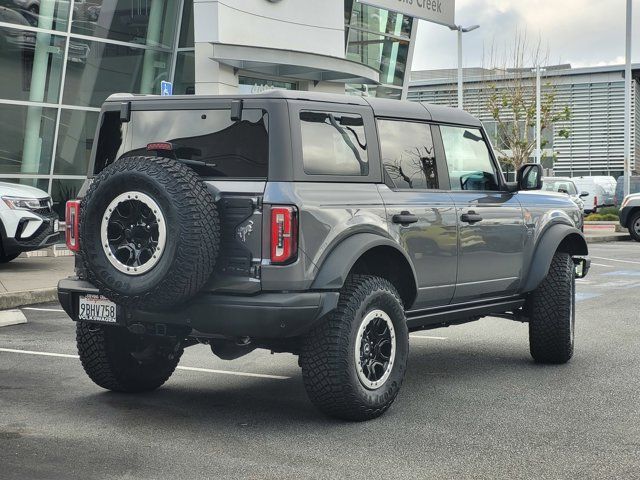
[
  {"x": 530, "y": 177},
  {"x": 584, "y": 194}
]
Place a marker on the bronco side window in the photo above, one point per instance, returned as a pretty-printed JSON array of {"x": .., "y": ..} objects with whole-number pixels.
[
  {"x": 408, "y": 154},
  {"x": 333, "y": 144},
  {"x": 468, "y": 158}
]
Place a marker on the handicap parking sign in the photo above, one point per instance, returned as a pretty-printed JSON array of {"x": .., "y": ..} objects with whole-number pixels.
[{"x": 166, "y": 88}]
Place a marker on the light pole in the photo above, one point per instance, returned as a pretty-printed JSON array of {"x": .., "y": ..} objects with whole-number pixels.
[
  {"x": 627, "y": 103},
  {"x": 460, "y": 29},
  {"x": 539, "y": 71}
]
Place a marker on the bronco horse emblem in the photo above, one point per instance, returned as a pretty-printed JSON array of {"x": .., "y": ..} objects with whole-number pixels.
[{"x": 244, "y": 231}]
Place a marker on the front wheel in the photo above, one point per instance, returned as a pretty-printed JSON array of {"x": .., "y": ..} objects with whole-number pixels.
[
  {"x": 634, "y": 227},
  {"x": 353, "y": 364},
  {"x": 118, "y": 360},
  {"x": 552, "y": 315}
]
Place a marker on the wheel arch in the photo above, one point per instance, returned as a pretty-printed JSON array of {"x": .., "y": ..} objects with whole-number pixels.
[
  {"x": 368, "y": 253},
  {"x": 558, "y": 238}
]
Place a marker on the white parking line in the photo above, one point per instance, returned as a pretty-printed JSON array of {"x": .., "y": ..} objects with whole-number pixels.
[
  {"x": 616, "y": 260},
  {"x": 35, "y": 309},
  {"x": 425, "y": 337},
  {"x": 189, "y": 369},
  {"x": 600, "y": 265},
  {"x": 43, "y": 354}
]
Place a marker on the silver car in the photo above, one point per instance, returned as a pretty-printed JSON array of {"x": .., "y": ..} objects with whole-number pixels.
[{"x": 565, "y": 185}]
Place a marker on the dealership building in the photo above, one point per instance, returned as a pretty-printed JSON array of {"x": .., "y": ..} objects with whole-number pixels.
[
  {"x": 60, "y": 59},
  {"x": 595, "y": 98}
]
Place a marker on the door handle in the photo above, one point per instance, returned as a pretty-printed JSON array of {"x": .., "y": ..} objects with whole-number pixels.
[
  {"x": 405, "y": 218},
  {"x": 471, "y": 217}
]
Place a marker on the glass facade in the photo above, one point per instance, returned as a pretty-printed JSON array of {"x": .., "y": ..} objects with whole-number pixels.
[
  {"x": 60, "y": 59},
  {"x": 380, "y": 39}
]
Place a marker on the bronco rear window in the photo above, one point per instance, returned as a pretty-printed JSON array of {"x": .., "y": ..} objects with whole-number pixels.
[{"x": 207, "y": 140}]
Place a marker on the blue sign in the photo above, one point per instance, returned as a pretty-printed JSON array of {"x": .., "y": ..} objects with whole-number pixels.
[{"x": 166, "y": 88}]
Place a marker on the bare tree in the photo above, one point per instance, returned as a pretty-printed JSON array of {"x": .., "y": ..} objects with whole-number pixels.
[{"x": 512, "y": 100}]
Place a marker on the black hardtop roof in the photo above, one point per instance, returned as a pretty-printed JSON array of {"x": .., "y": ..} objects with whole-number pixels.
[{"x": 381, "y": 107}]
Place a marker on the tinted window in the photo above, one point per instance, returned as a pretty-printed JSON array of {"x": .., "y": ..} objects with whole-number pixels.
[
  {"x": 207, "y": 140},
  {"x": 408, "y": 154},
  {"x": 468, "y": 159},
  {"x": 333, "y": 144}
]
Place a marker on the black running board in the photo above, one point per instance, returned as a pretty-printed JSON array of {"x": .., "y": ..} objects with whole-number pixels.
[{"x": 463, "y": 313}]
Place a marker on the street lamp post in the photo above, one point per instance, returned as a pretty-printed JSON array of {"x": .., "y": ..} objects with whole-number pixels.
[
  {"x": 627, "y": 103},
  {"x": 539, "y": 71},
  {"x": 460, "y": 29}
]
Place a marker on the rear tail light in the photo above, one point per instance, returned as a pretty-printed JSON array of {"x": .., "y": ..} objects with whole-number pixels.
[
  {"x": 284, "y": 234},
  {"x": 158, "y": 146},
  {"x": 72, "y": 228}
]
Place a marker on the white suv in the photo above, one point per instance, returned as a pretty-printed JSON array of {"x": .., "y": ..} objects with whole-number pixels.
[{"x": 27, "y": 221}]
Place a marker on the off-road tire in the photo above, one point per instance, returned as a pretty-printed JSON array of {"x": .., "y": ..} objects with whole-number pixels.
[
  {"x": 192, "y": 232},
  {"x": 327, "y": 357},
  {"x": 551, "y": 312},
  {"x": 635, "y": 232},
  {"x": 105, "y": 353}
]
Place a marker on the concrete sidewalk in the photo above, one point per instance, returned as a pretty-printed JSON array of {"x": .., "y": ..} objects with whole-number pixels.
[{"x": 26, "y": 281}]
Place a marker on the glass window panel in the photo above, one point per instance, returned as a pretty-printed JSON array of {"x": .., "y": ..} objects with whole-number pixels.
[
  {"x": 149, "y": 22},
  {"x": 26, "y": 142},
  {"x": 62, "y": 191},
  {"x": 41, "y": 183},
  {"x": 31, "y": 65},
  {"x": 333, "y": 144},
  {"x": 186, "y": 27},
  {"x": 113, "y": 68},
  {"x": 184, "y": 82},
  {"x": 75, "y": 140},
  {"x": 468, "y": 159},
  {"x": 408, "y": 154},
  {"x": 259, "y": 85},
  {"x": 378, "y": 20},
  {"x": 382, "y": 53},
  {"x": 47, "y": 14}
]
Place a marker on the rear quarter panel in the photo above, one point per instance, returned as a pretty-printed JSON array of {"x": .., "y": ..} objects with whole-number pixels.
[{"x": 329, "y": 213}]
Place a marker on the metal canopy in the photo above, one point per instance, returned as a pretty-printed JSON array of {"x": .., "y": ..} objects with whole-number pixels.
[{"x": 294, "y": 64}]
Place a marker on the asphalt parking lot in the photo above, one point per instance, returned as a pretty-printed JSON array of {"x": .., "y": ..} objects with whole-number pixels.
[{"x": 473, "y": 406}]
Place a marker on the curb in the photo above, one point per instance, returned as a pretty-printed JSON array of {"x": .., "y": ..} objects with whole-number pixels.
[
  {"x": 29, "y": 297},
  {"x": 608, "y": 238}
]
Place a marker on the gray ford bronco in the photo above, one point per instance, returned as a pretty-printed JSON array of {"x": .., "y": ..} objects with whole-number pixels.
[{"x": 326, "y": 226}]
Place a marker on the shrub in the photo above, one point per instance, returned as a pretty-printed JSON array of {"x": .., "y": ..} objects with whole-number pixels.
[{"x": 599, "y": 217}]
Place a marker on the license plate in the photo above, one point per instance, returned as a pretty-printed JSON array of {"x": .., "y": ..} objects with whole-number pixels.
[{"x": 97, "y": 308}]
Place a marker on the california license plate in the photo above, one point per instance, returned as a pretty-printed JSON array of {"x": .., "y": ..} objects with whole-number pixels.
[{"x": 97, "y": 308}]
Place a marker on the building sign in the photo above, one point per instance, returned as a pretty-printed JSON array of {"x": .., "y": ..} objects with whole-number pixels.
[{"x": 437, "y": 11}]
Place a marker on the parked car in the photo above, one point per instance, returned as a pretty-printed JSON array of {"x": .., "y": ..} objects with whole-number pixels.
[
  {"x": 596, "y": 193},
  {"x": 630, "y": 215},
  {"x": 326, "y": 226},
  {"x": 565, "y": 185},
  {"x": 27, "y": 221},
  {"x": 635, "y": 188}
]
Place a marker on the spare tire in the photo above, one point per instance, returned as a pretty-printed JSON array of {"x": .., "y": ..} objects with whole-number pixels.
[{"x": 149, "y": 232}]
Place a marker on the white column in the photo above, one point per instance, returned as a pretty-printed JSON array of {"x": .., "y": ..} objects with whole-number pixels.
[
  {"x": 538, "y": 116},
  {"x": 460, "y": 70},
  {"x": 628, "y": 83}
]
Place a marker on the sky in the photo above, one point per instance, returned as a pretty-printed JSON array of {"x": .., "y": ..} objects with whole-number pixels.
[{"x": 584, "y": 33}]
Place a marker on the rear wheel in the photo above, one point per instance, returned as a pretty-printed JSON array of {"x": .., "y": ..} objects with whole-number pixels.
[
  {"x": 353, "y": 364},
  {"x": 634, "y": 227},
  {"x": 118, "y": 360},
  {"x": 551, "y": 312}
]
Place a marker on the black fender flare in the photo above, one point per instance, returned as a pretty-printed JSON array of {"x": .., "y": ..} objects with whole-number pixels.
[
  {"x": 337, "y": 265},
  {"x": 569, "y": 238}
]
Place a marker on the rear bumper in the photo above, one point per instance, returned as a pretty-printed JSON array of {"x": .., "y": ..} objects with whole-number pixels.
[{"x": 266, "y": 315}]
